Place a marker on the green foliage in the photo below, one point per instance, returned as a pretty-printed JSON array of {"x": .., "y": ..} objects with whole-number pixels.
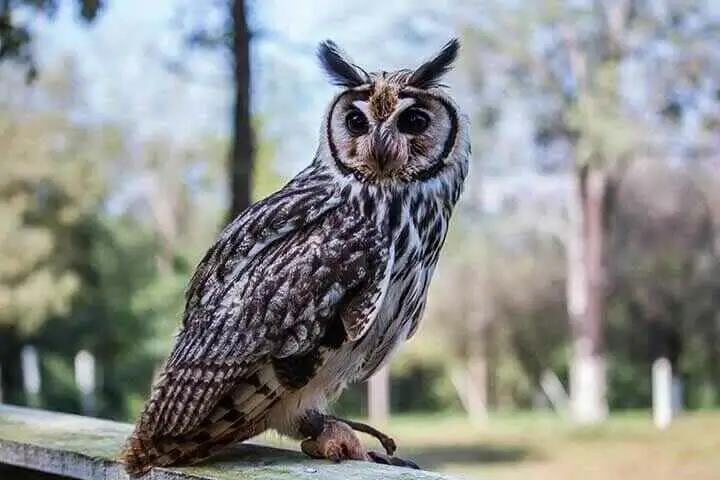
[
  {"x": 50, "y": 183},
  {"x": 60, "y": 393},
  {"x": 266, "y": 179},
  {"x": 79, "y": 274},
  {"x": 112, "y": 315}
]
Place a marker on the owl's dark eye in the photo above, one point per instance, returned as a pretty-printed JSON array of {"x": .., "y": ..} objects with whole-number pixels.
[
  {"x": 413, "y": 121},
  {"x": 356, "y": 122}
]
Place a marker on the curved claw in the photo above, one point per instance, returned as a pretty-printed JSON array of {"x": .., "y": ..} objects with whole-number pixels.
[
  {"x": 389, "y": 445},
  {"x": 378, "y": 457}
]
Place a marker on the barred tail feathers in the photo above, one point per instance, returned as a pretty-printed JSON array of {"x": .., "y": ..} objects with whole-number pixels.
[{"x": 236, "y": 418}]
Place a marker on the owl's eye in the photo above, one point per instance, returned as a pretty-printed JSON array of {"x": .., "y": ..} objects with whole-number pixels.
[
  {"x": 356, "y": 122},
  {"x": 413, "y": 121}
]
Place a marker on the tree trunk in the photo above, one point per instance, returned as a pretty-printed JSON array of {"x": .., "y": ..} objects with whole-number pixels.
[
  {"x": 586, "y": 296},
  {"x": 242, "y": 149},
  {"x": 12, "y": 388},
  {"x": 713, "y": 346},
  {"x": 477, "y": 367},
  {"x": 477, "y": 323},
  {"x": 477, "y": 398}
]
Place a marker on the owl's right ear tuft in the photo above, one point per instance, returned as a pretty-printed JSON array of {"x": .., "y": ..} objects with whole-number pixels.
[
  {"x": 338, "y": 66},
  {"x": 428, "y": 74}
]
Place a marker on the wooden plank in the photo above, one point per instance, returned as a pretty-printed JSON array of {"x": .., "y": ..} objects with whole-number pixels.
[{"x": 86, "y": 448}]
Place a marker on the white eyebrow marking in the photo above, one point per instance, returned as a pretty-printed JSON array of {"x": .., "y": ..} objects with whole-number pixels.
[
  {"x": 403, "y": 104},
  {"x": 363, "y": 106}
]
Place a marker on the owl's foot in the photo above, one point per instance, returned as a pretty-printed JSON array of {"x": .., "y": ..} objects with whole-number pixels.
[
  {"x": 337, "y": 441},
  {"x": 387, "y": 442}
]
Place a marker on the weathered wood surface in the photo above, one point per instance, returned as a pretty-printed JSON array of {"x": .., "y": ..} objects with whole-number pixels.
[{"x": 86, "y": 448}]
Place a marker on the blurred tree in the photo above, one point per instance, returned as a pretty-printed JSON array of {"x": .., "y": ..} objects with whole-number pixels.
[
  {"x": 242, "y": 150},
  {"x": 665, "y": 273},
  {"x": 123, "y": 313},
  {"x": 574, "y": 62},
  {"x": 49, "y": 186},
  {"x": 16, "y": 34},
  {"x": 231, "y": 34}
]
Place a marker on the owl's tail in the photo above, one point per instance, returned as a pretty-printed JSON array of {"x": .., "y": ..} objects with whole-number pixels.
[
  {"x": 238, "y": 417},
  {"x": 140, "y": 455}
]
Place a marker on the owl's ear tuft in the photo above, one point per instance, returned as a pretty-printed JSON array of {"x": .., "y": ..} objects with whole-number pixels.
[
  {"x": 428, "y": 74},
  {"x": 338, "y": 66}
]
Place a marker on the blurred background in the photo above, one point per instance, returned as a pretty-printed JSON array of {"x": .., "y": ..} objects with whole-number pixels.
[{"x": 573, "y": 327}]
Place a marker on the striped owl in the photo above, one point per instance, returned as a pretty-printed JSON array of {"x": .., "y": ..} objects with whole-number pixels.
[{"x": 318, "y": 284}]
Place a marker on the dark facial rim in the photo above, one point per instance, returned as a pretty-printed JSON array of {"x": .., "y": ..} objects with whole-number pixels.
[
  {"x": 449, "y": 141},
  {"x": 344, "y": 169},
  {"x": 447, "y": 146}
]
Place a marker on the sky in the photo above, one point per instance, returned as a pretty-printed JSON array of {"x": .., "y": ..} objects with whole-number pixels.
[
  {"x": 123, "y": 57},
  {"x": 125, "y": 52},
  {"x": 119, "y": 58}
]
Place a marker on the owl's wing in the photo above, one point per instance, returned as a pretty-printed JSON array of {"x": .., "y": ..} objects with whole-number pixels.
[{"x": 272, "y": 296}]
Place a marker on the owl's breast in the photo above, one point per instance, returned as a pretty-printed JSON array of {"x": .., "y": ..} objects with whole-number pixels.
[{"x": 416, "y": 248}]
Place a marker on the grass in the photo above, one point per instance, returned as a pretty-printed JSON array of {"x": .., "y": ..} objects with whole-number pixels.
[{"x": 542, "y": 447}]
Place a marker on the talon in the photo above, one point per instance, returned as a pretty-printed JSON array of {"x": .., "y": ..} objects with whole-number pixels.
[
  {"x": 389, "y": 445},
  {"x": 411, "y": 464},
  {"x": 378, "y": 457}
]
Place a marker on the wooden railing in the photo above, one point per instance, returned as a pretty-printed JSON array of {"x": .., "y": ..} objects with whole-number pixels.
[{"x": 34, "y": 443}]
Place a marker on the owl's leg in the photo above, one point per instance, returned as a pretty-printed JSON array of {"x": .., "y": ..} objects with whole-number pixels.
[{"x": 334, "y": 438}]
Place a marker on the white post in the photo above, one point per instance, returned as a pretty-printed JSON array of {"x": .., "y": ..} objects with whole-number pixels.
[
  {"x": 379, "y": 396},
  {"x": 459, "y": 379},
  {"x": 31, "y": 374},
  {"x": 662, "y": 393},
  {"x": 85, "y": 379},
  {"x": 555, "y": 392}
]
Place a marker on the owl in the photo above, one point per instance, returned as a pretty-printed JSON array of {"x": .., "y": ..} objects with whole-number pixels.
[{"x": 318, "y": 284}]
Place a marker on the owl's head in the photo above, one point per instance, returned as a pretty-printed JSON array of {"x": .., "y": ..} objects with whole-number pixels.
[{"x": 399, "y": 126}]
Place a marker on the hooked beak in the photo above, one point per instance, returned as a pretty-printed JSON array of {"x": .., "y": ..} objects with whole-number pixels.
[
  {"x": 387, "y": 152},
  {"x": 387, "y": 149},
  {"x": 381, "y": 147}
]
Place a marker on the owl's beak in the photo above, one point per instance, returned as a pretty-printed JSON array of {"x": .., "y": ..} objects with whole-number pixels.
[
  {"x": 380, "y": 148},
  {"x": 385, "y": 151}
]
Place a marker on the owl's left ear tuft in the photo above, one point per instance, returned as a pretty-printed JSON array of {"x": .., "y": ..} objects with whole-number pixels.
[
  {"x": 338, "y": 66},
  {"x": 428, "y": 74}
]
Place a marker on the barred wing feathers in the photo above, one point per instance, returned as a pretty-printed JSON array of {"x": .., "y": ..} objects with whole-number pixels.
[{"x": 268, "y": 288}]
